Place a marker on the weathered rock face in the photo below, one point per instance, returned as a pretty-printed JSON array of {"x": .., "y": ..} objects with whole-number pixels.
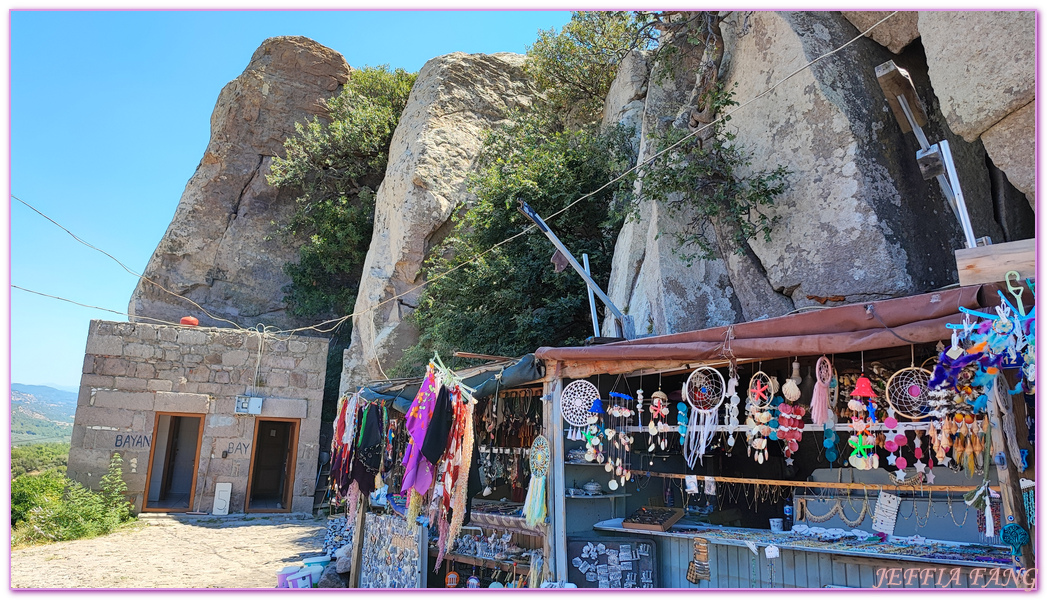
[
  {"x": 982, "y": 65},
  {"x": 983, "y": 68},
  {"x": 1010, "y": 144},
  {"x": 894, "y": 34},
  {"x": 455, "y": 99},
  {"x": 857, "y": 219},
  {"x": 217, "y": 250},
  {"x": 625, "y": 100}
]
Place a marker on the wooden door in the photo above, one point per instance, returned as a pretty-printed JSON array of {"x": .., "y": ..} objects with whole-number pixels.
[{"x": 271, "y": 458}]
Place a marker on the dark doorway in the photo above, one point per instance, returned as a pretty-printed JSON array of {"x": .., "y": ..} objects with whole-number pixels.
[
  {"x": 175, "y": 454},
  {"x": 272, "y": 466}
]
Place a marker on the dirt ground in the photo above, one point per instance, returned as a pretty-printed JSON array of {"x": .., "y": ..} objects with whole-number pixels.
[{"x": 207, "y": 552}]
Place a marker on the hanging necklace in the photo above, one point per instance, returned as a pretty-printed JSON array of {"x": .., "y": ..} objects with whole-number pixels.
[
  {"x": 927, "y": 516},
  {"x": 966, "y": 513}
]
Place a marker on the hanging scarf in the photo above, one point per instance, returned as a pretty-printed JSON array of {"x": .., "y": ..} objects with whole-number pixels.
[
  {"x": 418, "y": 474},
  {"x": 456, "y": 462},
  {"x": 370, "y": 446}
]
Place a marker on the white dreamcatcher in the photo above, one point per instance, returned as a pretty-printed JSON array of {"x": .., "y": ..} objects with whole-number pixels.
[
  {"x": 704, "y": 391},
  {"x": 575, "y": 402}
]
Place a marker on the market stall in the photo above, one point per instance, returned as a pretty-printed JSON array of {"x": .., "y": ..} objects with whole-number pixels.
[
  {"x": 893, "y": 435},
  {"x": 438, "y": 472}
]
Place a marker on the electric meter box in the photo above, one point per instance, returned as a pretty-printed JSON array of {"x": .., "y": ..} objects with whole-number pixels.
[{"x": 248, "y": 405}]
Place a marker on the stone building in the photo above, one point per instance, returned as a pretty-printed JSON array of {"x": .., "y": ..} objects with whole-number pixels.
[{"x": 166, "y": 398}]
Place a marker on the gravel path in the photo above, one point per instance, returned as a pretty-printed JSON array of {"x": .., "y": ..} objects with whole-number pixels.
[{"x": 170, "y": 553}]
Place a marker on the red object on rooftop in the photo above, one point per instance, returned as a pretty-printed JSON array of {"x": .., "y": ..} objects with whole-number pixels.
[{"x": 190, "y": 321}]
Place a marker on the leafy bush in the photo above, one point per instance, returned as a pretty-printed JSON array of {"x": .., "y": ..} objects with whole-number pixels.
[
  {"x": 511, "y": 301},
  {"x": 50, "y": 507},
  {"x": 713, "y": 180},
  {"x": 33, "y": 490},
  {"x": 336, "y": 166},
  {"x": 38, "y": 457}
]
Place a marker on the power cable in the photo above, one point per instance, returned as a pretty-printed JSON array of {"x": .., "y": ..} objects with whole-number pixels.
[
  {"x": 116, "y": 312},
  {"x": 125, "y": 267}
]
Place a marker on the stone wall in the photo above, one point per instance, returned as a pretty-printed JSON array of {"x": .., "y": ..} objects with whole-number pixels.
[{"x": 132, "y": 371}]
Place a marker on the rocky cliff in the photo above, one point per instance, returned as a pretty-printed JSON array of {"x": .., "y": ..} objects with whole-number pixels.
[
  {"x": 222, "y": 249},
  {"x": 455, "y": 99},
  {"x": 857, "y": 220}
]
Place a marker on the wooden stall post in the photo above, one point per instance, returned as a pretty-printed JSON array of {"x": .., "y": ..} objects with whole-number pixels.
[
  {"x": 556, "y": 466},
  {"x": 1010, "y": 478},
  {"x": 358, "y": 543}
]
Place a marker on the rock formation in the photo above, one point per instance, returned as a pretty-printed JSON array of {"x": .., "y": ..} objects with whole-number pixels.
[
  {"x": 221, "y": 249},
  {"x": 455, "y": 99},
  {"x": 983, "y": 69},
  {"x": 857, "y": 219}
]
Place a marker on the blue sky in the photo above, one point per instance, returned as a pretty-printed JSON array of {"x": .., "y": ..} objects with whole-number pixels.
[{"x": 110, "y": 114}]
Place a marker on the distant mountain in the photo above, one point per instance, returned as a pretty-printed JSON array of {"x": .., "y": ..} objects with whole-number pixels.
[{"x": 41, "y": 414}]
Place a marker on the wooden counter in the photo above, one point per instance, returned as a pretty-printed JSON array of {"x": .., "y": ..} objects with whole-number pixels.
[{"x": 804, "y": 563}]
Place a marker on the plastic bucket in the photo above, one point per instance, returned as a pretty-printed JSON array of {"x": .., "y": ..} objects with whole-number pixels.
[
  {"x": 283, "y": 574},
  {"x": 315, "y": 573},
  {"x": 317, "y": 561}
]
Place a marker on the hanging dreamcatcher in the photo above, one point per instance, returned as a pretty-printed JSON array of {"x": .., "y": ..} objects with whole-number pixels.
[
  {"x": 823, "y": 371},
  {"x": 534, "y": 505},
  {"x": 909, "y": 394},
  {"x": 575, "y": 401},
  {"x": 704, "y": 392},
  {"x": 758, "y": 407}
]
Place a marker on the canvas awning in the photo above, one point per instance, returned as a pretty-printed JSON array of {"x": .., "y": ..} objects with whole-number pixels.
[
  {"x": 486, "y": 380},
  {"x": 866, "y": 326}
]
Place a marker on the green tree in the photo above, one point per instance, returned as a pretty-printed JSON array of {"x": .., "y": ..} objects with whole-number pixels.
[
  {"x": 710, "y": 179},
  {"x": 574, "y": 67},
  {"x": 114, "y": 490},
  {"x": 336, "y": 165},
  {"x": 510, "y": 301},
  {"x": 38, "y": 457}
]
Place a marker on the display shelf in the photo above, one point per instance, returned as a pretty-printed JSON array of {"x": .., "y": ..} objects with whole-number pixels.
[
  {"x": 595, "y": 496},
  {"x": 483, "y": 563},
  {"x": 583, "y": 464}
]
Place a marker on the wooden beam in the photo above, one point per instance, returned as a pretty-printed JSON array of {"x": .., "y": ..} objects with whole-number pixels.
[
  {"x": 990, "y": 264},
  {"x": 822, "y": 484},
  {"x": 1010, "y": 479},
  {"x": 895, "y": 82},
  {"x": 358, "y": 542},
  {"x": 483, "y": 356}
]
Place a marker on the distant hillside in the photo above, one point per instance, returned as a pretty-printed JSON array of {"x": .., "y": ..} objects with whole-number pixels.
[{"x": 41, "y": 414}]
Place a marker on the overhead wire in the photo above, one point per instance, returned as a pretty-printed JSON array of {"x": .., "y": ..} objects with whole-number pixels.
[
  {"x": 332, "y": 324},
  {"x": 125, "y": 267},
  {"x": 18, "y": 287}
]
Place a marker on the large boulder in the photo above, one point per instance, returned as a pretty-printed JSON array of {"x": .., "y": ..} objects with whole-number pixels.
[
  {"x": 982, "y": 65},
  {"x": 455, "y": 100},
  {"x": 857, "y": 220},
  {"x": 897, "y": 32},
  {"x": 222, "y": 249},
  {"x": 1010, "y": 145}
]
